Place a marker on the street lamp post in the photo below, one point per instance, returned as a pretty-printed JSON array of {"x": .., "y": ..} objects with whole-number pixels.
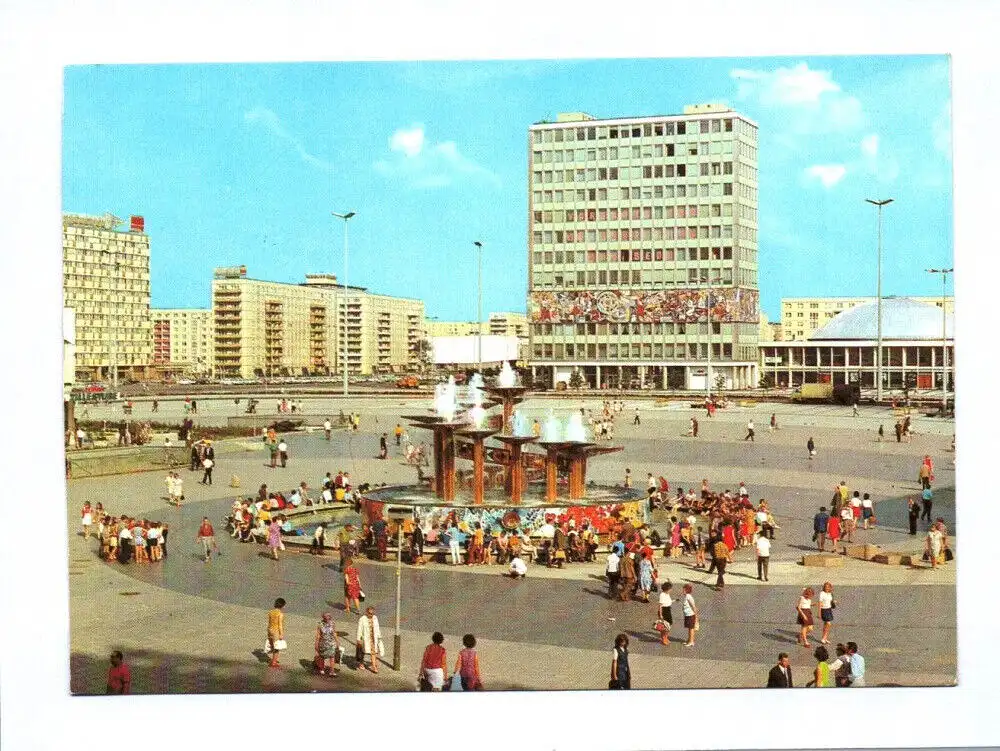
[
  {"x": 346, "y": 217},
  {"x": 878, "y": 297},
  {"x": 479, "y": 309},
  {"x": 944, "y": 336}
]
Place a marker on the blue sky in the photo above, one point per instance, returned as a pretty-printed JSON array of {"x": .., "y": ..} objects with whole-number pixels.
[{"x": 239, "y": 163}]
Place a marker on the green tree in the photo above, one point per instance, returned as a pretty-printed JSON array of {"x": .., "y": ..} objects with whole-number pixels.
[{"x": 575, "y": 380}]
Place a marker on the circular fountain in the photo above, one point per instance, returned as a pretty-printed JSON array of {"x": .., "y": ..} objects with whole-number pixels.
[{"x": 508, "y": 484}]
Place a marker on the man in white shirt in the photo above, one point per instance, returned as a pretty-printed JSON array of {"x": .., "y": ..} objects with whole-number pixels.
[
  {"x": 518, "y": 568},
  {"x": 763, "y": 546},
  {"x": 295, "y": 500},
  {"x": 547, "y": 531},
  {"x": 327, "y": 495},
  {"x": 613, "y": 572},
  {"x": 327, "y": 428},
  {"x": 81, "y": 436},
  {"x": 283, "y": 452}
]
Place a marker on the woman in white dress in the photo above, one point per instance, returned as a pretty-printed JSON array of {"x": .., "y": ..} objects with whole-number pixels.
[
  {"x": 935, "y": 545},
  {"x": 369, "y": 638}
]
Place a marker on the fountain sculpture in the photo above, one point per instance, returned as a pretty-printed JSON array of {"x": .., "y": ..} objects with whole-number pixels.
[{"x": 500, "y": 487}]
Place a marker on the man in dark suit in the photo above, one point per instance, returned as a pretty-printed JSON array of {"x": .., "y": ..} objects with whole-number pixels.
[{"x": 780, "y": 676}]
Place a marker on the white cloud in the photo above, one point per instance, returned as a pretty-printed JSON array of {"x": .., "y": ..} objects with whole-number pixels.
[
  {"x": 812, "y": 100},
  {"x": 827, "y": 174},
  {"x": 869, "y": 146},
  {"x": 422, "y": 164},
  {"x": 410, "y": 141},
  {"x": 271, "y": 122}
]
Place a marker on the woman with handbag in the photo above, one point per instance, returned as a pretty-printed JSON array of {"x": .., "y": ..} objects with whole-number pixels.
[
  {"x": 621, "y": 676},
  {"x": 352, "y": 586},
  {"x": 433, "y": 665},
  {"x": 369, "y": 638},
  {"x": 804, "y": 616},
  {"x": 276, "y": 631},
  {"x": 690, "y": 615},
  {"x": 826, "y": 606},
  {"x": 327, "y": 645},
  {"x": 467, "y": 665}
]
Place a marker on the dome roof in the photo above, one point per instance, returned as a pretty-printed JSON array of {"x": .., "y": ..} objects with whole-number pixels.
[{"x": 902, "y": 319}]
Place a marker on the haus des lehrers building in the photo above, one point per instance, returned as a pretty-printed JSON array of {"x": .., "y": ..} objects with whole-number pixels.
[{"x": 642, "y": 250}]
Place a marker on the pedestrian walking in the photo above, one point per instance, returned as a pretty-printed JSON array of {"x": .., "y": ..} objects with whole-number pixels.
[
  {"x": 934, "y": 546},
  {"x": 276, "y": 631},
  {"x": 207, "y": 464},
  {"x": 206, "y": 536},
  {"x": 156, "y": 406},
  {"x": 613, "y": 572},
  {"x": 693, "y": 430},
  {"x": 899, "y": 432},
  {"x": 621, "y": 674},
  {"x": 283, "y": 453},
  {"x": 780, "y": 676},
  {"x": 881, "y": 432},
  {"x": 119, "y": 675},
  {"x": 433, "y": 665},
  {"x": 750, "y": 433},
  {"x": 272, "y": 449},
  {"x": 721, "y": 556},
  {"x": 690, "y": 610},
  {"x": 926, "y": 474},
  {"x": 927, "y": 501},
  {"x": 811, "y": 447},
  {"x": 868, "y": 511},
  {"x": 763, "y": 549},
  {"x": 398, "y": 433},
  {"x": 195, "y": 457},
  {"x": 327, "y": 645},
  {"x": 383, "y": 446},
  {"x": 774, "y": 421},
  {"x": 666, "y": 614},
  {"x": 804, "y": 616},
  {"x": 352, "y": 586},
  {"x": 467, "y": 665},
  {"x": 635, "y": 420},
  {"x": 327, "y": 428},
  {"x": 833, "y": 530},
  {"x": 454, "y": 544},
  {"x": 826, "y": 606},
  {"x": 821, "y": 674},
  {"x": 856, "y": 413},
  {"x": 274, "y": 542},
  {"x": 821, "y": 522},
  {"x": 857, "y": 663},
  {"x": 628, "y": 478},
  {"x": 913, "y": 514},
  {"x": 369, "y": 639}
]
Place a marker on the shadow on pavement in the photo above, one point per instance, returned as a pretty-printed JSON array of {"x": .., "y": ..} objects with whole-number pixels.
[{"x": 157, "y": 672}]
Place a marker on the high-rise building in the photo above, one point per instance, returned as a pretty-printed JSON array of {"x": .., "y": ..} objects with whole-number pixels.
[
  {"x": 106, "y": 284},
  {"x": 268, "y": 329},
  {"x": 642, "y": 235},
  {"x": 801, "y": 316},
  {"x": 182, "y": 340}
]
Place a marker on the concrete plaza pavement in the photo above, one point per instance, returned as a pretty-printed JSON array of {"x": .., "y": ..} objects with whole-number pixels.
[{"x": 195, "y": 627}]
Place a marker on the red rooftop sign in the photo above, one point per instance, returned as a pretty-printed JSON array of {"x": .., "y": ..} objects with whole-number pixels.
[{"x": 138, "y": 224}]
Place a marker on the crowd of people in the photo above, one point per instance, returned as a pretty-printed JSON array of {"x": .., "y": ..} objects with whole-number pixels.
[
  {"x": 125, "y": 539},
  {"x": 846, "y": 670}
]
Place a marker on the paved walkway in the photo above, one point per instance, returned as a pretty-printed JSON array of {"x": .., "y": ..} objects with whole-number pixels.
[{"x": 194, "y": 627}]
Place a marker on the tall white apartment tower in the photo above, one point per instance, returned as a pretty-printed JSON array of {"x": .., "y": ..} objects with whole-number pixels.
[{"x": 642, "y": 250}]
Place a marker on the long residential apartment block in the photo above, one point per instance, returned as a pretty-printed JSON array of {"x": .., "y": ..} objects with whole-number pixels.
[{"x": 267, "y": 329}]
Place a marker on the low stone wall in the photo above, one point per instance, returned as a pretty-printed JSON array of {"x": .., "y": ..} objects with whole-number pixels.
[{"x": 121, "y": 461}]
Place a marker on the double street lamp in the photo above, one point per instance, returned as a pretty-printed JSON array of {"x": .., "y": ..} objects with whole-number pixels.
[
  {"x": 343, "y": 364},
  {"x": 944, "y": 335},
  {"x": 878, "y": 297}
]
